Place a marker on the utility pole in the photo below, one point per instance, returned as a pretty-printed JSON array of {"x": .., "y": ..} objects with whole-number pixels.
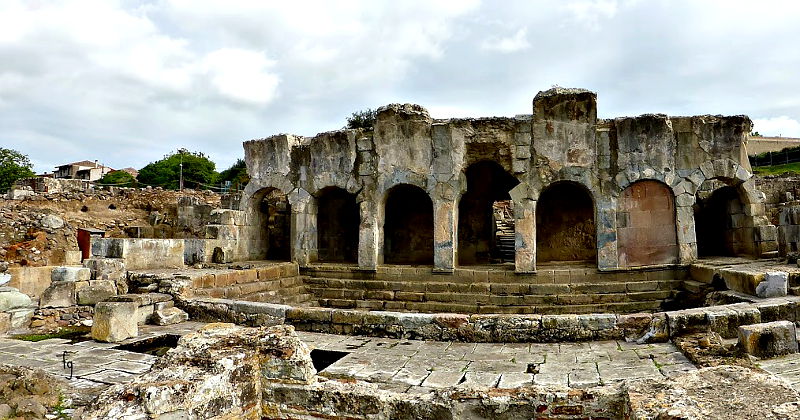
[{"x": 181, "y": 185}]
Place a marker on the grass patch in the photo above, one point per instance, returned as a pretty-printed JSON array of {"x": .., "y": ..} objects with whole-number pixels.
[
  {"x": 69, "y": 333},
  {"x": 793, "y": 168}
]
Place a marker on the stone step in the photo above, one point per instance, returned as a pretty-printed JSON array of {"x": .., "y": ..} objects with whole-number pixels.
[
  {"x": 695, "y": 287},
  {"x": 500, "y": 300},
  {"x": 501, "y": 274},
  {"x": 494, "y": 288},
  {"x": 439, "y": 307}
]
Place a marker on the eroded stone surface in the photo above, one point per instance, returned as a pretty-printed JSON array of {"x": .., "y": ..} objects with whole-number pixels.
[{"x": 722, "y": 392}]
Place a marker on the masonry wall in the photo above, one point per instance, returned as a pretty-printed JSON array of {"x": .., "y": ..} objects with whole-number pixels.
[{"x": 561, "y": 141}]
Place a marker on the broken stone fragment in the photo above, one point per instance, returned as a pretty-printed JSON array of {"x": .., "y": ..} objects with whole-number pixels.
[
  {"x": 217, "y": 372},
  {"x": 169, "y": 316},
  {"x": 20, "y": 317},
  {"x": 96, "y": 291},
  {"x": 70, "y": 274},
  {"x": 11, "y": 298},
  {"x": 775, "y": 284},
  {"x": 59, "y": 295},
  {"x": 115, "y": 321},
  {"x": 769, "y": 339}
]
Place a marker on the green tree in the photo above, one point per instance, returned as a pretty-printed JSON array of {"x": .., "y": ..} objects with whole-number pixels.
[
  {"x": 362, "y": 119},
  {"x": 13, "y": 166},
  {"x": 236, "y": 174},
  {"x": 198, "y": 171},
  {"x": 118, "y": 179}
]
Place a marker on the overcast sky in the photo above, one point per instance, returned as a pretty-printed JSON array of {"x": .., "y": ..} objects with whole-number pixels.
[{"x": 127, "y": 82}]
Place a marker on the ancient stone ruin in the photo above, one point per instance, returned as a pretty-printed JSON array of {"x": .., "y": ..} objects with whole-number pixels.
[{"x": 552, "y": 264}]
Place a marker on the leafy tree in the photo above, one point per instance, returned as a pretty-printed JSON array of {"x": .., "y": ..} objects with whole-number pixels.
[
  {"x": 362, "y": 119},
  {"x": 236, "y": 174},
  {"x": 13, "y": 166},
  {"x": 118, "y": 178},
  {"x": 198, "y": 171}
]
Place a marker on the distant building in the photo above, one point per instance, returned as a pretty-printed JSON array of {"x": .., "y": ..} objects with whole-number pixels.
[
  {"x": 134, "y": 173},
  {"x": 85, "y": 170}
]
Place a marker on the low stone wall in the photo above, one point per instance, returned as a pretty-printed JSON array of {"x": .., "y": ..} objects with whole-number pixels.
[
  {"x": 738, "y": 276},
  {"x": 643, "y": 327},
  {"x": 142, "y": 254}
]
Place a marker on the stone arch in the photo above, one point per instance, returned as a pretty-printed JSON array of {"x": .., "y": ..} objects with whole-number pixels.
[
  {"x": 338, "y": 221},
  {"x": 646, "y": 227},
  {"x": 407, "y": 226},
  {"x": 487, "y": 193},
  {"x": 565, "y": 223},
  {"x": 271, "y": 213},
  {"x": 722, "y": 224}
]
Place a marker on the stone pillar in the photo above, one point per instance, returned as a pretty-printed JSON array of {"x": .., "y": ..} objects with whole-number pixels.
[
  {"x": 687, "y": 238},
  {"x": 606, "y": 221},
  {"x": 369, "y": 235},
  {"x": 524, "y": 229},
  {"x": 445, "y": 235},
  {"x": 303, "y": 227}
]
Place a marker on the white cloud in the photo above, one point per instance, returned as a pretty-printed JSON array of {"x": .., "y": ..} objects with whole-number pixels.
[
  {"x": 782, "y": 126},
  {"x": 513, "y": 43},
  {"x": 242, "y": 75},
  {"x": 126, "y": 82}
]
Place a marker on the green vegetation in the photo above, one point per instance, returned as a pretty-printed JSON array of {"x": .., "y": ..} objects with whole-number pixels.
[
  {"x": 362, "y": 119},
  {"x": 236, "y": 174},
  {"x": 118, "y": 178},
  {"x": 13, "y": 166},
  {"x": 198, "y": 171},
  {"x": 793, "y": 168},
  {"x": 69, "y": 333}
]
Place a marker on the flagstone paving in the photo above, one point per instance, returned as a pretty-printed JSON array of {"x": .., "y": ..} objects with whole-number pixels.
[{"x": 396, "y": 365}]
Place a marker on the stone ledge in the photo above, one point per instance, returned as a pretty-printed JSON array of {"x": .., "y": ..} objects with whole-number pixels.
[{"x": 642, "y": 327}]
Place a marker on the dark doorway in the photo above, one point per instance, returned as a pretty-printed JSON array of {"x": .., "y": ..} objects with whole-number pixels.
[
  {"x": 337, "y": 225},
  {"x": 275, "y": 213},
  {"x": 408, "y": 226},
  {"x": 487, "y": 183},
  {"x": 565, "y": 229},
  {"x": 717, "y": 219}
]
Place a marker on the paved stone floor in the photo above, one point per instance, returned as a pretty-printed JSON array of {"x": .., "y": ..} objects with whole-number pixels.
[
  {"x": 418, "y": 366},
  {"x": 785, "y": 367},
  {"x": 397, "y": 365}
]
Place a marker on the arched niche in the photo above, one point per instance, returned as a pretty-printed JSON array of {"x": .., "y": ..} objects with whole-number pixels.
[
  {"x": 408, "y": 226},
  {"x": 646, "y": 229},
  {"x": 273, "y": 213},
  {"x": 337, "y": 225},
  {"x": 565, "y": 226},
  {"x": 485, "y": 215}
]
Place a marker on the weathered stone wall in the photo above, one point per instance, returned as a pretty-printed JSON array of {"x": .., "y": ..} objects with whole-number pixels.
[{"x": 561, "y": 141}]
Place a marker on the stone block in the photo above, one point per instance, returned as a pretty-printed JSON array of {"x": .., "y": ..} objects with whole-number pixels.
[
  {"x": 11, "y": 298},
  {"x": 769, "y": 339},
  {"x": 70, "y": 274},
  {"x": 21, "y": 317},
  {"x": 5, "y": 322},
  {"x": 145, "y": 313},
  {"x": 96, "y": 291},
  {"x": 106, "y": 268},
  {"x": 775, "y": 284},
  {"x": 169, "y": 316},
  {"x": 59, "y": 295},
  {"x": 115, "y": 321}
]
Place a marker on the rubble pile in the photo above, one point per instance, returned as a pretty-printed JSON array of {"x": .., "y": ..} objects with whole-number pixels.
[{"x": 37, "y": 229}]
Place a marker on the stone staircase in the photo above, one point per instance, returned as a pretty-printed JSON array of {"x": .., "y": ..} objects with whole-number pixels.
[
  {"x": 556, "y": 291},
  {"x": 504, "y": 224}
]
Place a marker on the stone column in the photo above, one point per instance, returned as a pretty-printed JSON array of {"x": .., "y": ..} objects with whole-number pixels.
[
  {"x": 687, "y": 238},
  {"x": 369, "y": 236},
  {"x": 606, "y": 221},
  {"x": 445, "y": 234},
  {"x": 524, "y": 229},
  {"x": 303, "y": 227}
]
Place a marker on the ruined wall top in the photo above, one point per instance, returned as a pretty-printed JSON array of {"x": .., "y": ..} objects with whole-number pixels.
[{"x": 562, "y": 139}]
